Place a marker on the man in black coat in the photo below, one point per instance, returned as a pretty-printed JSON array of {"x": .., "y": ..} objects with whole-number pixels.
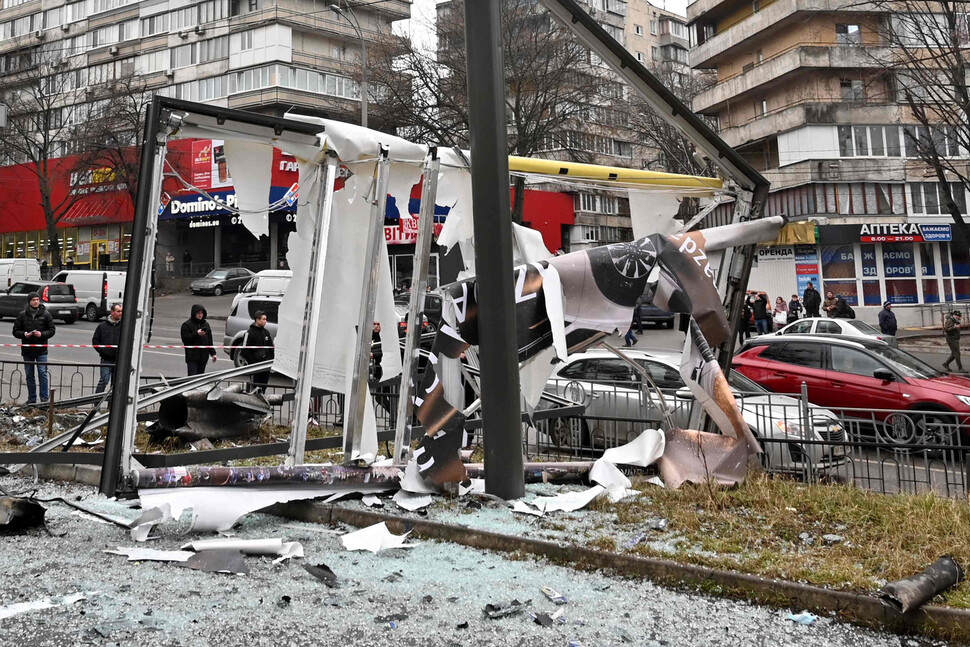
[
  {"x": 34, "y": 326},
  {"x": 196, "y": 332},
  {"x": 762, "y": 318},
  {"x": 108, "y": 334},
  {"x": 257, "y": 336},
  {"x": 811, "y": 299},
  {"x": 887, "y": 319}
]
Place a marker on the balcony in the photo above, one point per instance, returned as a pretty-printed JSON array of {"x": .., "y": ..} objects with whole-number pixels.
[
  {"x": 327, "y": 23},
  {"x": 670, "y": 39},
  {"x": 811, "y": 112},
  {"x": 874, "y": 169},
  {"x": 707, "y": 54},
  {"x": 799, "y": 57}
]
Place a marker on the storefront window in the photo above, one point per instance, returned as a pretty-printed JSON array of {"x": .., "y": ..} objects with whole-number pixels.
[
  {"x": 871, "y": 293},
  {"x": 947, "y": 290},
  {"x": 901, "y": 291},
  {"x": 926, "y": 259},
  {"x": 9, "y": 246},
  {"x": 69, "y": 244},
  {"x": 848, "y": 290},
  {"x": 931, "y": 291},
  {"x": 838, "y": 262},
  {"x": 961, "y": 289},
  {"x": 898, "y": 260},
  {"x": 869, "y": 267},
  {"x": 33, "y": 244},
  {"x": 125, "y": 241},
  {"x": 961, "y": 260},
  {"x": 945, "y": 256}
]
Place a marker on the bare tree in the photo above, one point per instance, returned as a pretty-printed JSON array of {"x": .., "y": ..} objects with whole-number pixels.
[
  {"x": 925, "y": 57},
  {"x": 550, "y": 84}
]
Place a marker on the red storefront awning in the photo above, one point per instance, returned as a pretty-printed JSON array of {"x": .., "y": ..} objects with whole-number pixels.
[{"x": 99, "y": 209}]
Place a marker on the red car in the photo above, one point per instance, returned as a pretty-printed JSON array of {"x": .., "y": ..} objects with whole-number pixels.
[{"x": 868, "y": 377}]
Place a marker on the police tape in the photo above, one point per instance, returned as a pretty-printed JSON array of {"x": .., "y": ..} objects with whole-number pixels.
[{"x": 116, "y": 346}]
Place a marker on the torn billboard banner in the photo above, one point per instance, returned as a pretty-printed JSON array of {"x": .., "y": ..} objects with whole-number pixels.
[
  {"x": 206, "y": 476},
  {"x": 600, "y": 287}
]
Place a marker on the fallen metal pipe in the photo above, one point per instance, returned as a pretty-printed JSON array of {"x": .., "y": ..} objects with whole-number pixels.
[
  {"x": 914, "y": 591},
  {"x": 207, "y": 476}
]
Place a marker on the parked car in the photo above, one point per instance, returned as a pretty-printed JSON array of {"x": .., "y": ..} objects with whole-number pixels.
[
  {"x": 650, "y": 313},
  {"x": 868, "y": 377},
  {"x": 265, "y": 283},
  {"x": 58, "y": 298},
  {"x": 96, "y": 290},
  {"x": 241, "y": 317},
  {"x": 830, "y": 326},
  {"x": 13, "y": 270},
  {"x": 221, "y": 279},
  {"x": 612, "y": 389}
]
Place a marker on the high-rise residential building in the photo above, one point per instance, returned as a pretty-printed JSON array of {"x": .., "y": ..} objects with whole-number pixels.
[
  {"x": 266, "y": 56},
  {"x": 803, "y": 94}
]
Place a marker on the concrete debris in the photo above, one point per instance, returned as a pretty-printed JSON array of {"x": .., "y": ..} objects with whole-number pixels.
[
  {"x": 806, "y": 538},
  {"x": 832, "y": 539},
  {"x": 18, "y": 515}
]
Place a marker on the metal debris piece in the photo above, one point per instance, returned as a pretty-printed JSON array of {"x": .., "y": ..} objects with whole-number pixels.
[
  {"x": 218, "y": 561},
  {"x": 657, "y": 524},
  {"x": 503, "y": 609},
  {"x": 18, "y": 514},
  {"x": 914, "y": 591},
  {"x": 323, "y": 573},
  {"x": 553, "y": 595},
  {"x": 211, "y": 413}
]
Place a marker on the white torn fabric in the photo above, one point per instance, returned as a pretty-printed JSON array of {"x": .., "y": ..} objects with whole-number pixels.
[
  {"x": 214, "y": 509},
  {"x": 372, "y": 501},
  {"x": 475, "y": 486},
  {"x": 552, "y": 291},
  {"x": 455, "y": 192},
  {"x": 413, "y": 482},
  {"x": 642, "y": 451},
  {"x": 616, "y": 483},
  {"x": 276, "y": 546},
  {"x": 656, "y": 480},
  {"x": 568, "y": 501},
  {"x": 375, "y": 539},
  {"x": 37, "y": 605},
  {"x": 533, "y": 375},
  {"x": 527, "y": 245},
  {"x": 411, "y": 502},
  {"x": 296, "y": 145},
  {"x": 368, "y": 438},
  {"x": 653, "y": 212},
  {"x": 137, "y": 554},
  {"x": 251, "y": 167},
  {"x": 525, "y": 508}
]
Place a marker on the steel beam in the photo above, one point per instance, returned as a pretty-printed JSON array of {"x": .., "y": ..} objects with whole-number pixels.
[
  {"x": 357, "y": 398},
  {"x": 322, "y": 211},
  {"x": 488, "y": 136},
  {"x": 419, "y": 285}
]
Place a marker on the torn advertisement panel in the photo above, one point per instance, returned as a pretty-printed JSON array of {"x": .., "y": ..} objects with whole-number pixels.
[
  {"x": 212, "y": 414},
  {"x": 138, "y": 554},
  {"x": 411, "y": 502},
  {"x": 699, "y": 457},
  {"x": 642, "y": 451},
  {"x": 375, "y": 539},
  {"x": 600, "y": 287}
]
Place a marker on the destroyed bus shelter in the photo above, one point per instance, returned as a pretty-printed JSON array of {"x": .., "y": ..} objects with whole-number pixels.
[{"x": 379, "y": 165}]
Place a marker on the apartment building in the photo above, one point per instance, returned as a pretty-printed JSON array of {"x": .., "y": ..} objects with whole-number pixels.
[
  {"x": 266, "y": 56},
  {"x": 801, "y": 92}
]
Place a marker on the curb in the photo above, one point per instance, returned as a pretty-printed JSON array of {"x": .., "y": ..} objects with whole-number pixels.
[{"x": 930, "y": 620}]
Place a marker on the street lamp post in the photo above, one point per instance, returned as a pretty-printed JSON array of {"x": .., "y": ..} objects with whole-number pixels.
[{"x": 352, "y": 19}]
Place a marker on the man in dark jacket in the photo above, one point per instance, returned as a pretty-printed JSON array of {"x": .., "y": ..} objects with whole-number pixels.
[
  {"x": 951, "y": 330},
  {"x": 887, "y": 319},
  {"x": 258, "y": 347},
  {"x": 743, "y": 331},
  {"x": 196, "y": 332},
  {"x": 34, "y": 326},
  {"x": 762, "y": 318},
  {"x": 794, "y": 308},
  {"x": 108, "y": 334},
  {"x": 812, "y": 300}
]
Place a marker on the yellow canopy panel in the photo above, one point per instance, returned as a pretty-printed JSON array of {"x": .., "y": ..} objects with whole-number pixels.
[{"x": 596, "y": 173}]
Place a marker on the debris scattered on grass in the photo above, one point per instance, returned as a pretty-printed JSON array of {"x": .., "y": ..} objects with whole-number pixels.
[
  {"x": 374, "y": 539},
  {"x": 832, "y": 539},
  {"x": 914, "y": 591}
]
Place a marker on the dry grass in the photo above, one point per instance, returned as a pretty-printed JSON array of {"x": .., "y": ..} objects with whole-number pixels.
[{"x": 755, "y": 528}]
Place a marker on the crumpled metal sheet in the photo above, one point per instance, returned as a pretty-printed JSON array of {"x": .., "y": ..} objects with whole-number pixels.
[
  {"x": 914, "y": 591},
  {"x": 699, "y": 457},
  {"x": 212, "y": 414}
]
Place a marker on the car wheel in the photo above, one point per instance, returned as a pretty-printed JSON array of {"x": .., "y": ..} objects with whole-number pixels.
[
  {"x": 217, "y": 291},
  {"x": 940, "y": 428},
  {"x": 238, "y": 359},
  {"x": 91, "y": 312},
  {"x": 69, "y": 320}
]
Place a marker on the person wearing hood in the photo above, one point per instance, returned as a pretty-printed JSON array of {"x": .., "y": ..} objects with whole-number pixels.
[
  {"x": 257, "y": 346},
  {"x": 887, "y": 319},
  {"x": 197, "y": 332},
  {"x": 34, "y": 326},
  {"x": 106, "y": 338}
]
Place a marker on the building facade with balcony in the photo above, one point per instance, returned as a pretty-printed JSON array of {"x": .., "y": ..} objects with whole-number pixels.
[{"x": 803, "y": 92}]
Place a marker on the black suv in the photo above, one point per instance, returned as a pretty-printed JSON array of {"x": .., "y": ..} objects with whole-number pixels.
[{"x": 58, "y": 298}]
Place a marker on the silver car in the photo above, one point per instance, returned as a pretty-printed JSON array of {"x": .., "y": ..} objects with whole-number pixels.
[
  {"x": 618, "y": 409},
  {"x": 831, "y": 326},
  {"x": 223, "y": 279},
  {"x": 241, "y": 318}
]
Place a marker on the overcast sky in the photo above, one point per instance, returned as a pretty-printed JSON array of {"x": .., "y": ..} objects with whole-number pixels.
[{"x": 421, "y": 25}]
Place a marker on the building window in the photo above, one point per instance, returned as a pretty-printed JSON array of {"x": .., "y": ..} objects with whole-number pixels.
[
  {"x": 760, "y": 57},
  {"x": 653, "y": 27},
  {"x": 928, "y": 198},
  {"x": 654, "y": 53},
  {"x": 246, "y": 40},
  {"x": 761, "y": 107},
  {"x": 853, "y": 90},
  {"x": 755, "y": 6},
  {"x": 640, "y": 57},
  {"x": 848, "y": 34},
  {"x": 638, "y": 30}
]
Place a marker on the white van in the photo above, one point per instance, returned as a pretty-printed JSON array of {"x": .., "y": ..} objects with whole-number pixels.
[
  {"x": 15, "y": 270},
  {"x": 265, "y": 283},
  {"x": 96, "y": 290}
]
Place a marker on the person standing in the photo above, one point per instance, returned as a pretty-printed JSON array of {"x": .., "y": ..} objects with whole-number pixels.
[
  {"x": 762, "y": 319},
  {"x": 69, "y": 264},
  {"x": 780, "y": 314},
  {"x": 812, "y": 300},
  {"x": 376, "y": 352},
  {"x": 34, "y": 326},
  {"x": 830, "y": 304},
  {"x": 743, "y": 331},
  {"x": 186, "y": 263},
  {"x": 794, "y": 308},
  {"x": 170, "y": 263},
  {"x": 196, "y": 332},
  {"x": 637, "y": 316},
  {"x": 44, "y": 273},
  {"x": 108, "y": 334},
  {"x": 258, "y": 347},
  {"x": 951, "y": 330},
  {"x": 887, "y": 319}
]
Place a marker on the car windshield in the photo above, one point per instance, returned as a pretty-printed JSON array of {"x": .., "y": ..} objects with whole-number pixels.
[
  {"x": 863, "y": 327},
  {"x": 743, "y": 384},
  {"x": 217, "y": 274},
  {"x": 904, "y": 362}
]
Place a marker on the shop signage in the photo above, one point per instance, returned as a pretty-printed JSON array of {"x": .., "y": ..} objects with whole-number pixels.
[
  {"x": 776, "y": 253},
  {"x": 896, "y": 232},
  {"x": 200, "y": 205},
  {"x": 806, "y": 267},
  {"x": 406, "y": 232}
]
